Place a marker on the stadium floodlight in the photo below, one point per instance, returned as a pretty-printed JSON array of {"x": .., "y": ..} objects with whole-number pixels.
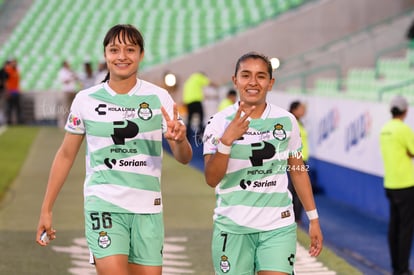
[
  {"x": 170, "y": 79},
  {"x": 275, "y": 63}
]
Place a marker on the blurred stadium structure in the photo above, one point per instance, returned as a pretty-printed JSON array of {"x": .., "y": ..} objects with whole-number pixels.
[
  {"x": 330, "y": 50},
  {"x": 183, "y": 36},
  {"x": 54, "y": 30}
]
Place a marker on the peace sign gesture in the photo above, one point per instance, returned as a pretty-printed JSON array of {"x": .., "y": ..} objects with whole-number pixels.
[
  {"x": 238, "y": 126},
  {"x": 176, "y": 130}
]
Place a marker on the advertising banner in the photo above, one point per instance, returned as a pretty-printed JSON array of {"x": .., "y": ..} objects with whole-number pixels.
[{"x": 343, "y": 131}]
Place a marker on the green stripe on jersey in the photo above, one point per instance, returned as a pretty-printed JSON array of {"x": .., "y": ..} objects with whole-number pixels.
[
  {"x": 255, "y": 199},
  {"x": 229, "y": 225},
  {"x": 95, "y": 203}
]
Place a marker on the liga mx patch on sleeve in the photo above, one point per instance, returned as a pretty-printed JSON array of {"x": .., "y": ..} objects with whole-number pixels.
[{"x": 74, "y": 123}]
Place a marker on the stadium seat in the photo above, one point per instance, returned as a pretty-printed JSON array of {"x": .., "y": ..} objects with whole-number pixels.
[{"x": 395, "y": 69}]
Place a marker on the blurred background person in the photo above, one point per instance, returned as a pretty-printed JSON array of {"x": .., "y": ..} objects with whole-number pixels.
[
  {"x": 69, "y": 81},
  {"x": 397, "y": 149},
  {"x": 14, "y": 112},
  {"x": 410, "y": 35},
  {"x": 3, "y": 78},
  {"x": 101, "y": 73},
  {"x": 193, "y": 96},
  {"x": 87, "y": 78},
  {"x": 230, "y": 99}
]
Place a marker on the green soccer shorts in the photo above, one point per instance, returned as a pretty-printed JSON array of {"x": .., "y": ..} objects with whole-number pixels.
[
  {"x": 140, "y": 236},
  {"x": 245, "y": 254}
]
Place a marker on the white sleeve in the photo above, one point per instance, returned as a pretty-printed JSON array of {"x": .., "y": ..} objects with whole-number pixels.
[{"x": 212, "y": 134}]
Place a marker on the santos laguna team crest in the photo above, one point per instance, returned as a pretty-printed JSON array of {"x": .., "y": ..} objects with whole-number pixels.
[
  {"x": 224, "y": 264},
  {"x": 279, "y": 133},
  {"x": 104, "y": 240},
  {"x": 144, "y": 111}
]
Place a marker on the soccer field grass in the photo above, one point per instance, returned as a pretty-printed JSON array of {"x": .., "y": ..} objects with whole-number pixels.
[
  {"x": 15, "y": 143},
  {"x": 188, "y": 207}
]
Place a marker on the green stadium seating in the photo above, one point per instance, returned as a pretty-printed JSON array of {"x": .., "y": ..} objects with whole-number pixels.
[
  {"x": 395, "y": 69},
  {"x": 391, "y": 76},
  {"x": 54, "y": 30},
  {"x": 325, "y": 86}
]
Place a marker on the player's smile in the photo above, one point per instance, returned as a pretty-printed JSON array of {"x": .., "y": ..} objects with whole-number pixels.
[
  {"x": 252, "y": 91},
  {"x": 122, "y": 65}
]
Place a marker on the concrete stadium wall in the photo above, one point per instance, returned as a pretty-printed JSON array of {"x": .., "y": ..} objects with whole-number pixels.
[{"x": 293, "y": 33}]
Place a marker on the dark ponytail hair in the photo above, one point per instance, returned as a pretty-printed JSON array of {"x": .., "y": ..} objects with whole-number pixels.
[
  {"x": 124, "y": 32},
  {"x": 106, "y": 78}
]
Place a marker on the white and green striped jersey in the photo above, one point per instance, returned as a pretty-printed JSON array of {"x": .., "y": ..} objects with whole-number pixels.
[
  {"x": 124, "y": 146},
  {"x": 253, "y": 196}
]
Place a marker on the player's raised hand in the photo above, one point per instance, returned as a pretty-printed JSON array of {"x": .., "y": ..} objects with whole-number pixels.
[
  {"x": 176, "y": 130},
  {"x": 239, "y": 125}
]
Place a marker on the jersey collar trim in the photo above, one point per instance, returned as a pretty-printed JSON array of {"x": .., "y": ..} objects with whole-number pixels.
[{"x": 133, "y": 91}]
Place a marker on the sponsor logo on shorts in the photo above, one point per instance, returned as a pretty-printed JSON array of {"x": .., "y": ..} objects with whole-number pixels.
[{"x": 104, "y": 241}]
